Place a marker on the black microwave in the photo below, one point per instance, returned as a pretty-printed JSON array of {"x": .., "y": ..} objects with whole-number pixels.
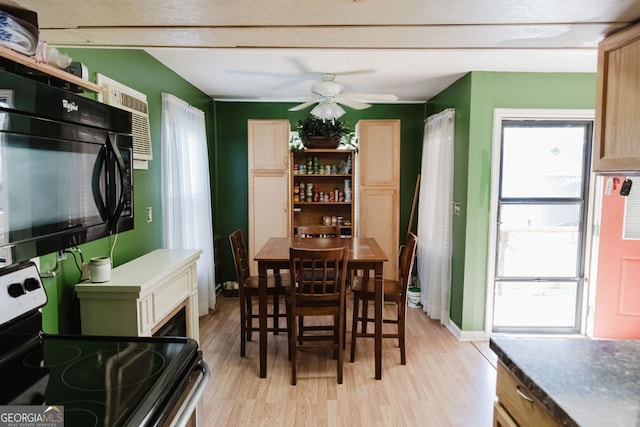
[{"x": 65, "y": 169}]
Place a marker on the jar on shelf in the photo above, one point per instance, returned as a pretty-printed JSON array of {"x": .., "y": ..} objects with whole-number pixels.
[
  {"x": 301, "y": 191},
  {"x": 310, "y": 192}
]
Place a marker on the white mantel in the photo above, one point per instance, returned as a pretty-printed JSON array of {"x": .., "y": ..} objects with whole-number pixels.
[{"x": 142, "y": 295}]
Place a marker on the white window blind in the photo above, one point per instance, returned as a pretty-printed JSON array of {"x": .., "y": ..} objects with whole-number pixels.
[{"x": 631, "y": 226}]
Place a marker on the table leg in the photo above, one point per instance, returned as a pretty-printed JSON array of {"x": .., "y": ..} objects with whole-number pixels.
[
  {"x": 262, "y": 312},
  {"x": 379, "y": 302}
]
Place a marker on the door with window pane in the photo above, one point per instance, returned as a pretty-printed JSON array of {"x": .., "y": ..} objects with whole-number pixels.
[{"x": 539, "y": 260}]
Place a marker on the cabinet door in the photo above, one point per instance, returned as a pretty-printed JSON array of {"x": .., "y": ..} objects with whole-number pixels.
[
  {"x": 270, "y": 217},
  {"x": 379, "y": 154},
  {"x": 268, "y": 144},
  {"x": 617, "y": 132},
  {"x": 268, "y": 156},
  {"x": 378, "y": 178},
  {"x": 378, "y": 218}
]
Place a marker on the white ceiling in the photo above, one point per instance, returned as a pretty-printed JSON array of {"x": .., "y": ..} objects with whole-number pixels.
[{"x": 276, "y": 49}]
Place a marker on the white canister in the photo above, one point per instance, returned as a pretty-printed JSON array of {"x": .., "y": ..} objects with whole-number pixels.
[{"x": 100, "y": 269}]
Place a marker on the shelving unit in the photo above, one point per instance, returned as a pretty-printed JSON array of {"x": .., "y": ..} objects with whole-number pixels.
[
  {"x": 30, "y": 62},
  {"x": 331, "y": 177}
]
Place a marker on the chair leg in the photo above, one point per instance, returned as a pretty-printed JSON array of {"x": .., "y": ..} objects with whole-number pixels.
[
  {"x": 289, "y": 328},
  {"x": 401, "y": 334},
  {"x": 300, "y": 329},
  {"x": 243, "y": 325},
  {"x": 365, "y": 315},
  {"x": 249, "y": 317},
  {"x": 339, "y": 341},
  {"x": 276, "y": 313},
  {"x": 336, "y": 336},
  {"x": 344, "y": 328},
  {"x": 293, "y": 349},
  {"x": 354, "y": 327}
]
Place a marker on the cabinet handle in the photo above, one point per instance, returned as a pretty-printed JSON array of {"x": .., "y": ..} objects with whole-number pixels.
[{"x": 524, "y": 396}]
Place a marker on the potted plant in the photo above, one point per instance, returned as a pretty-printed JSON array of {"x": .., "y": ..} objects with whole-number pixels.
[{"x": 318, "y": 133}]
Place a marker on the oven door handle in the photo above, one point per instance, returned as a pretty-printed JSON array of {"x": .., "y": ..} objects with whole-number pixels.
[{"x": 190, "y": 404}]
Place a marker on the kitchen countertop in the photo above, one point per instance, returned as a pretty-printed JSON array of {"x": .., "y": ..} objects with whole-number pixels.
[{"x": 582, "y": 382}]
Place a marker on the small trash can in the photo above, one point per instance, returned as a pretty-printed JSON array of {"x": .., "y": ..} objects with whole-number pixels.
[{"x": 413, "y": 297}]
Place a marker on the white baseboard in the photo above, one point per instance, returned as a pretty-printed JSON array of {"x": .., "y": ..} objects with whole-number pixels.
[{"x": 466, "y": 335}]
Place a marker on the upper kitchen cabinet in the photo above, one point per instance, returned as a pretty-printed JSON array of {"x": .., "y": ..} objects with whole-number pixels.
[{"x": 617, "y": 128}]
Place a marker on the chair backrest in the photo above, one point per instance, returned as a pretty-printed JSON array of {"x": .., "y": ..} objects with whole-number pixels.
[
  {"x": 318, "y": 231},
  {"x": 319, "y": 274},
  {"x": 240, "y": 258},
  {"x": 407, "y": 256}
]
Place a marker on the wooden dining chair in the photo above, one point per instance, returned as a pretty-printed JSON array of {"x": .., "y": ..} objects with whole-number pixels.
[
  {"x": 248, "y": 290},
  {"x": 318, "y": 289},
  {"x": 318, "y": 231},
  {"x": 394, "y": 291}
]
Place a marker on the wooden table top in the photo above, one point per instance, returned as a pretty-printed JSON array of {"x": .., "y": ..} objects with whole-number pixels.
[{"x": 361, "y": 249}]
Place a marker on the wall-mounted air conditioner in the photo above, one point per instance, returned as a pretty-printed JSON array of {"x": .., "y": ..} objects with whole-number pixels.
[{"x": 121, "y": 96}]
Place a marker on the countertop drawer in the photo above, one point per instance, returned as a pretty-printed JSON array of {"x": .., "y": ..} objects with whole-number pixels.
[{"x": 514, "y": 397}]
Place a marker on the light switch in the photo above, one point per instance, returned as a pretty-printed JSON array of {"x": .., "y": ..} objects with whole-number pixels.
[
  {"x": 457, "y": 207},
  {"x": 149, "y": 214}
]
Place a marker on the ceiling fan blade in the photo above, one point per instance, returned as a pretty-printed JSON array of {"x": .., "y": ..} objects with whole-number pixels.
[
  {"x": 356, "y": 105},
  {"x": 302, "y": 106},
  {"x": 370, "y": 96},
  {"x": 348, "y": 73}
]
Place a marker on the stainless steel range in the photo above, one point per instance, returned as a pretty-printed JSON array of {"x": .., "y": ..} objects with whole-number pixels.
[{"x": 98, "y": 381}]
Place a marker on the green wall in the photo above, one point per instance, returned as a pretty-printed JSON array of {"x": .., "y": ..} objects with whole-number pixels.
[
  {"x": 142, "y": 72},
  {"x": 475, "y": 96},
  {"x": 231, "y": 191}
]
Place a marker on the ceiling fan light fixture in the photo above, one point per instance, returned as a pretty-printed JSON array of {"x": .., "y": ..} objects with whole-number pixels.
[{"x": 327, "y": 111}]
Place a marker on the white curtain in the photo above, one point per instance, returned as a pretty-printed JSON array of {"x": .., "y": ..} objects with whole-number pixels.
[
  {"x": 186, "y": 194},
  {"x": 434, "y": 215}
]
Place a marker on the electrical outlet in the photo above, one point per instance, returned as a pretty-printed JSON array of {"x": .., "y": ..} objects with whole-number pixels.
[
  {"x": 62, "y": 255},
  {"x": 149, "y": 214}
]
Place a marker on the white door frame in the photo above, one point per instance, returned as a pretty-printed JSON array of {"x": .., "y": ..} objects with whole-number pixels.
[{"x": 500, "y": 114}]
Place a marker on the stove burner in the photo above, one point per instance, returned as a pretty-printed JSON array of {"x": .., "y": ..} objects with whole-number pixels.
[
  {"x": 133, "y": 365},
  {"x": 82, "y": 412},
  {"x": 55, "y": 356}
]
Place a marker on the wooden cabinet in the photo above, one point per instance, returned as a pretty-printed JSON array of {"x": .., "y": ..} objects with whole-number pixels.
[
  {"x": 322, "y": 189},
  {"x": 142, "y": 295},
  {"x": 516, "y": 406},
  {"x": 268, "y": 156},
  {"x": 378, "y": 179},
  {"x": 617, "y": 127}
]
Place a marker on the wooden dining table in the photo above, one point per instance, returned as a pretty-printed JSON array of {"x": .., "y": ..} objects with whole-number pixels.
[{"x": 364, "y": 254}]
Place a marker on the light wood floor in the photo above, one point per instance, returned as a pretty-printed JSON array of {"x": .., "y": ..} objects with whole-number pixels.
[{"x": 445, "y": 382}]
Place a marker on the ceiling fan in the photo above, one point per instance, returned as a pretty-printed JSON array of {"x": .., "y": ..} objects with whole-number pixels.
[{"x": 329, "y": 93}]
